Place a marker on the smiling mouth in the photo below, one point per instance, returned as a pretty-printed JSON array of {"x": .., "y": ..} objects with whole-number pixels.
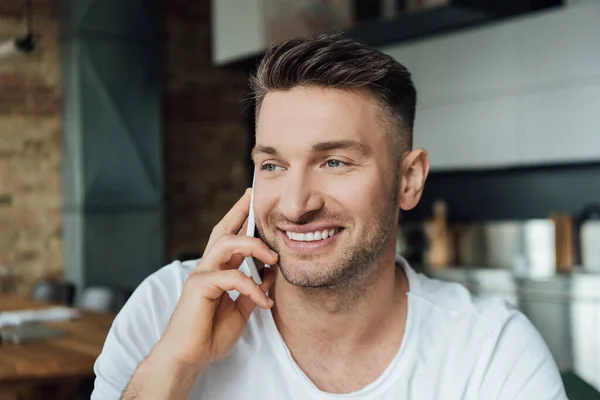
[{"x": 312, "y": 236}]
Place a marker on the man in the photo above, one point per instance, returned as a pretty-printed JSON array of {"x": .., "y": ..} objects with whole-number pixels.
[{"x": 336, "y": 317}]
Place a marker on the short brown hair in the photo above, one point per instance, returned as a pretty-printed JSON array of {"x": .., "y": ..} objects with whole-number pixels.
[{"x": 335, "y": 61}]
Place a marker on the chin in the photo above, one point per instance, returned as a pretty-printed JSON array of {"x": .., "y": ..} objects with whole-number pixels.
[{"x": 314, "y": 274}]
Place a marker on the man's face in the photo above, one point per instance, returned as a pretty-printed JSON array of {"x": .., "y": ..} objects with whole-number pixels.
[{"x": 326, "y": 190}]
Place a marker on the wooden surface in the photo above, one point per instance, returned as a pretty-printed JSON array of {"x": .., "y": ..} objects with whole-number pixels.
[{"x": 68, "y": 357}]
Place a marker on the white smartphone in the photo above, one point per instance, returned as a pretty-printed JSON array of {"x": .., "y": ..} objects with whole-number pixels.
[{"x": 249, "y": 265}]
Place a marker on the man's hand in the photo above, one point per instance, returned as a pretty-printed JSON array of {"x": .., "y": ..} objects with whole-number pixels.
[{"x": 206, "y": 322}]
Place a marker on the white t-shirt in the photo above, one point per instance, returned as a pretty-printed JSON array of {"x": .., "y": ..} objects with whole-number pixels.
[{"x": 454, "y": 347}]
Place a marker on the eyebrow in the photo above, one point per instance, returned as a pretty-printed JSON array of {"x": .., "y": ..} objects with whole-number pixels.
[
  {"x": 320, "y": 147},
  {"x": 323, "y": 147},
  {"x": 263, "y": 149}
]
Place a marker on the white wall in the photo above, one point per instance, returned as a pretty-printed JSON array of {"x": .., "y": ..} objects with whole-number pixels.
[{"x": 518, "y": 92}]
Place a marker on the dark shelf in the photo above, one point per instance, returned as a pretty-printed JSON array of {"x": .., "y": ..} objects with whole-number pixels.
[
  {"x": 381, "y": 32},
  {"x": 459, "y": 14},
  {"x": 417, "y": 25}
]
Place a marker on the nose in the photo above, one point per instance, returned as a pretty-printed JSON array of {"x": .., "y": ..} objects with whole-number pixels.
[{"x": 300, "y": 197}]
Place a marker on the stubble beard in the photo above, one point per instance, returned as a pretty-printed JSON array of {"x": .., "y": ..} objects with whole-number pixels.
[{"x": 357, "y": 256}]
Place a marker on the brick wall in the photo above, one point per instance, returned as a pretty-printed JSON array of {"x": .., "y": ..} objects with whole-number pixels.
[
  {"x": 205, "y": 139},
  {"x": 30, "y": 149},
  {"x": 205, "y": 135}
]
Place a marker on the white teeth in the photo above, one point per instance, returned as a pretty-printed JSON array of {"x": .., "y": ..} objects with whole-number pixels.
[{"x": 311, "y": 236}]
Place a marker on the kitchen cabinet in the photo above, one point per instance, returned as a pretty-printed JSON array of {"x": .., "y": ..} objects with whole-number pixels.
[
  {"x": 560, "y": 125},
  {"x": 521, "y": 92},
  {"x": 559, "y": 71},
  {"x": 471, "y": 135}
]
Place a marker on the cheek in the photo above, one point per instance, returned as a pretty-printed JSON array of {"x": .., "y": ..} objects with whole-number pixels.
[
  {"x": 265, "y": 198},
  {"x": 358, "y": 195}
]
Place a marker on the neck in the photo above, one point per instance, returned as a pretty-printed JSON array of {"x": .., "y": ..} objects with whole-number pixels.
[{"x": 352, "y": 316}]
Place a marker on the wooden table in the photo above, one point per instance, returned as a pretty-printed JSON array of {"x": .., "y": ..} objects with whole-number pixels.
[{"x": 68, "y": 358}]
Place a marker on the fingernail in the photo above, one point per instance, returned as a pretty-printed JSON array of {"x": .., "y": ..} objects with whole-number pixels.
[
  {"x": 274, "y": 254},
  {"x": 270, "y": 301}
]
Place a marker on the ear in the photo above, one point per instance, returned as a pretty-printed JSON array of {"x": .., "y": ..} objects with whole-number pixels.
[{"x": 414, "y": 169}]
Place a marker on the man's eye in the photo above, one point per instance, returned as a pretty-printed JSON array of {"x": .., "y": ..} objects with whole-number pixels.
[
  {"x": 334, "y": 163},
  {"x": 270, "y": 167}
]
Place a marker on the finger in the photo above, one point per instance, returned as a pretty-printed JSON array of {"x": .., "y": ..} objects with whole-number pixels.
[
  {"x": 216, "y": 283},
  {"x": 245, "y": 304},
  {"x": 236, "y": 261},
  {"x": 227, "y": 247},
  {"x": 244, "y": 227}
]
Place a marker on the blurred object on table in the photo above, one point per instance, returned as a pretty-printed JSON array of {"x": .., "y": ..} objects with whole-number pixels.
[
  {"x": 524, "y": 247},
  {"x": 470, "y": 244},
  {"x": 563, "y": 227},
  {"x": 29, "y": 333},
  {"x": 52, "y": 369},
  {"x": 53, "y": 291},
  {"x": 96, "y": 299},
  {"x": 103, "y": 299},
  {"x": 28, "y": 316},
  {"x": 439, "y": 253},
  {"x": 588, "y": 224}
]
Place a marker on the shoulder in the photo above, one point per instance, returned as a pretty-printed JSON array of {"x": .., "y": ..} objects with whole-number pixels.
[
  {"x": 167, "y": 282},
  {"x": 137, "y": 328},
  {"x": 453, "y": 308},
  {"x": 495, "y": 343},
  {"x": 452, "y": 301},
  {"x": 519, "y": 364},
  {"x": 154, "y": 300}
]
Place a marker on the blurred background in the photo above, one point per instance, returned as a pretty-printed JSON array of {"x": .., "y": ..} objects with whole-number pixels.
[{"x": 124, "y": 140}]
